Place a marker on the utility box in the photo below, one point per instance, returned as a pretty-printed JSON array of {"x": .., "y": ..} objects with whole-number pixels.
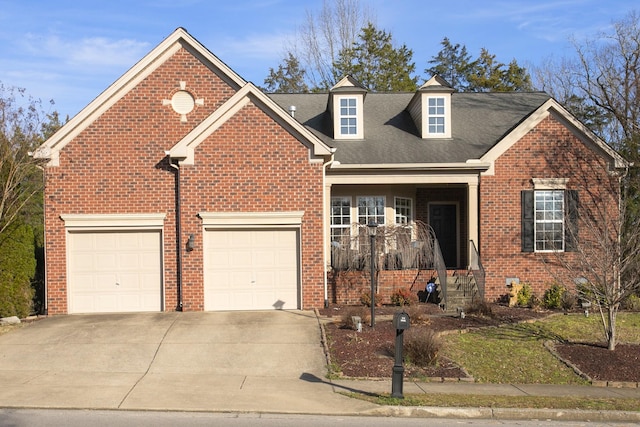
[{"x": 401, "y": 321}]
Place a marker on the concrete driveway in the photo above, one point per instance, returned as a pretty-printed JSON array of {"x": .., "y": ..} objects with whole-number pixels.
[{"x": 227, "y": 361}]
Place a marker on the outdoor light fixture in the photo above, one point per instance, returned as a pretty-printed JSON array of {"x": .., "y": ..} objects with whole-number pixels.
[
  {"x": 371, "y": 229},
  {"x": 191, "y": 243}
]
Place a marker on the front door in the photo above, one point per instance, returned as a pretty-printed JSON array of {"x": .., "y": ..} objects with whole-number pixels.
[{"x": 443, "y": 219}]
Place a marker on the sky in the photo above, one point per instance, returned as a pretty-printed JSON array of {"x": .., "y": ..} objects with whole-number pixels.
[{"x": 71, "y": 51}]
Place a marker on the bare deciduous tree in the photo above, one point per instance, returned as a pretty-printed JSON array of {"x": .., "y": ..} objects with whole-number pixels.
[
  {"x": 604, "y": 262},
  {"x": 21, "y": 129},
  {"x": 325, "y": 34},
  {"x": 604, "y": 81}
]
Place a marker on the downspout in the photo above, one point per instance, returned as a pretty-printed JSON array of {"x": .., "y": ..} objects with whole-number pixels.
[
  {"x": 325, "y": 221},
  {"x": 176, "y": 166},
  {"x": 45, "y": 284}
]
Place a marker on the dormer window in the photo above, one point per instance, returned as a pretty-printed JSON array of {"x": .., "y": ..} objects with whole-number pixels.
[
  {"x": 430, "y": 108},
  {"x": 348, "y": 116},
  {"x": 346, "y": 101},
  {"x": 436, "y": 115}
]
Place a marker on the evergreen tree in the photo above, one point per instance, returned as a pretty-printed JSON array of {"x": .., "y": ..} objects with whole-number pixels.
[
  {"x": 453, "y": 63},
  {"x": 376, "y": 63},
  {"x": 289, "y": 78},
  {"x": 483, "y": 74},
  {"x": 17, "y": 269}
]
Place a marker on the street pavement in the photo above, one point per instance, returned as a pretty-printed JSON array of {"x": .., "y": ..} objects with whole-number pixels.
[{"x": 262, "y": 362}]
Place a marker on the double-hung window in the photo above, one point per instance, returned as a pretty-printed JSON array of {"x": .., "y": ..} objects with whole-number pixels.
[
  {"x": 403, "y": 208},
  {"x": 549, "y": 220},
  {"x": 436, "y": 115},
  {"x": 371, "y": 210},
  {"x": 348, "y": 116},
  {"x": 340, "y": 218}
]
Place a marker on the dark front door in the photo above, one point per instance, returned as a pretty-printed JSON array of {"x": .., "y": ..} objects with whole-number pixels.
[{"x": 443, "y": 220}]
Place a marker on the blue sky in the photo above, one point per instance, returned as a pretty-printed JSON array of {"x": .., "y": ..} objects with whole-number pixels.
[{"x": 70, "y": 51}]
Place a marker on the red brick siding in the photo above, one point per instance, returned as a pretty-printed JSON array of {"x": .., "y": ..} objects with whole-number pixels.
[
  {"x": 118, "y": 165},
  {"x": 548, "y": 151},
  {"x": 347, "y": 287},
  {"x": 256, "y": 168}
]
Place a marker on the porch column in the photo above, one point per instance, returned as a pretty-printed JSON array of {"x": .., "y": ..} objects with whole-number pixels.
[{"x": 472, "y": 214}]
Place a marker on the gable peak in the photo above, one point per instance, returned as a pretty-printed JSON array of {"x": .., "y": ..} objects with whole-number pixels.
[
  {"x": 350, "y": 84},
  {"x": 436, "y": 83}
]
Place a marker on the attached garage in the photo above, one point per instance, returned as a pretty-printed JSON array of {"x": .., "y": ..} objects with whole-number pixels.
[
  {"x": 112, "y": 268},
  {"x": 254, "y": 265}
]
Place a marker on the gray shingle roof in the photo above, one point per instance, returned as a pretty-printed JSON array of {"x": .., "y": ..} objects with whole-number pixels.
[{"x": 479, "y": 121}]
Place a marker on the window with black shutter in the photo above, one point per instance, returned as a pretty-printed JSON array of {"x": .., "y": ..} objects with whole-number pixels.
[{"x": 549, "y": 220}]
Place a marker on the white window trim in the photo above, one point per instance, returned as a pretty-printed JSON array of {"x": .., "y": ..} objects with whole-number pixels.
[
  {"x": 446, "y": 115},
  {"x": 395, "y": 210},
  {"x": 562, "y": 221},
  {"x": 337, "y": 116},
  {"x": 349, "y": 225},
  {"x": 384, "y": 210},
  {"x": 550, "y": 183}
]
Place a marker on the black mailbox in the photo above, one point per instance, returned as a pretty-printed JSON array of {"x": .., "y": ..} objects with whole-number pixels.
[{"x": 401, "y": 321}]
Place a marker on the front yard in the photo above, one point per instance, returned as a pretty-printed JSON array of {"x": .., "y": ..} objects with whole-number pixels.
[{"x": 513, "y": 345}]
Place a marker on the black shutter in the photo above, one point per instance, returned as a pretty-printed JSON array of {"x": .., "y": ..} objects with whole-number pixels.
[
  {"x": 527, "y": 211},
  {"x": 571, "y": 221}
]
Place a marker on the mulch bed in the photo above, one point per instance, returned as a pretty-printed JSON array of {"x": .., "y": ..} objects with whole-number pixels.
[
  {"x": 602, "y": 364},
  {"x": 370, "y": 353}
]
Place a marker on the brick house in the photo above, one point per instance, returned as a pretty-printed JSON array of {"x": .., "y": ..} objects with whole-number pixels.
[{"x": 184, "y": 187}]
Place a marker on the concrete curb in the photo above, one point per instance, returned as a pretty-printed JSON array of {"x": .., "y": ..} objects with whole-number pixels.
[{"x": 505, "y": 413}]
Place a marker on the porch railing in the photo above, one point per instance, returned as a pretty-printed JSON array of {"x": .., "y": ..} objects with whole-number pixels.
[
  {"x": 441, "y": 270},
  {"x": 475, "y": 265}
]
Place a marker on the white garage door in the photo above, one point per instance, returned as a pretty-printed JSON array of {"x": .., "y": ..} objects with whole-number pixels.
[
  {"x": 251, "y": 269},
  {"x": 115, "y": 272}
]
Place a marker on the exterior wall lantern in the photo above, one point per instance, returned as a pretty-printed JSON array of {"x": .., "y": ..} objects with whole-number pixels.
[{"x": 191, "y": 243}]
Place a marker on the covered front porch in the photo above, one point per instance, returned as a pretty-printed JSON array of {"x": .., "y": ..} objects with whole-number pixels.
[{"x": 425, "y": 232}]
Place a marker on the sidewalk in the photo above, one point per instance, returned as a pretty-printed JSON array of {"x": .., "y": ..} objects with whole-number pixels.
[{"x": 476, "y": 389}]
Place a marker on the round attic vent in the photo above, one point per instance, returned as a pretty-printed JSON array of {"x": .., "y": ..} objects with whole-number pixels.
[{"x": 182, "y": 102}]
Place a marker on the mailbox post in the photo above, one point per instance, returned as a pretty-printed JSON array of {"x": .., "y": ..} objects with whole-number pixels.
[{"x": 401, "y": 322}]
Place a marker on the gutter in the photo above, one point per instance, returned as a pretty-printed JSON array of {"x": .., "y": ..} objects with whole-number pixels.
[{"x": 470, "y": 165}]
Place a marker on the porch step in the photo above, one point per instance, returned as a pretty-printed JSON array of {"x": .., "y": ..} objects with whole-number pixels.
[{"x": 461, "y": 291}]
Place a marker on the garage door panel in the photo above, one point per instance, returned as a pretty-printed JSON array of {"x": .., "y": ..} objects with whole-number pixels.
[
  {"x": 115, "y": 271},
  {"x": 258, "y": 270},
  {"x": 104, "y": 261}
]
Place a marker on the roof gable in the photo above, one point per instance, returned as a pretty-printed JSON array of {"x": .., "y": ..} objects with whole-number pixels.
[
  {"x": 551, "y": 106},
  {"x": 184, "y": 149},
  {"x": 50, "y": 149}
]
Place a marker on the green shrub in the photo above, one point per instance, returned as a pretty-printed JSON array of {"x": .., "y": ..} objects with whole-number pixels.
[
  {"x": 631, "y": 303},
  {"x": 17, "y": 268},
  {"x": 403, "y": 296},
  {"x": 421, "y": 347},
  {"x": 553, "y": 296},
  {"x": 525, "y": 295}
]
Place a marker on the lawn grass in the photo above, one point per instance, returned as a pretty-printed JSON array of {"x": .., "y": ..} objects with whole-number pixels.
[
  {"x": 516, "y": 353},
  {"x": 518, "y": 402}
]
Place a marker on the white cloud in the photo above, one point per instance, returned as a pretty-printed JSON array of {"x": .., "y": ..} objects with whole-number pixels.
[{"x": 88, "y": 52}]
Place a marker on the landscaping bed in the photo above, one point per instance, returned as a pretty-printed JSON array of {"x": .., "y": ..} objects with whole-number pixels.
[{"x": 370, "y": 353}]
